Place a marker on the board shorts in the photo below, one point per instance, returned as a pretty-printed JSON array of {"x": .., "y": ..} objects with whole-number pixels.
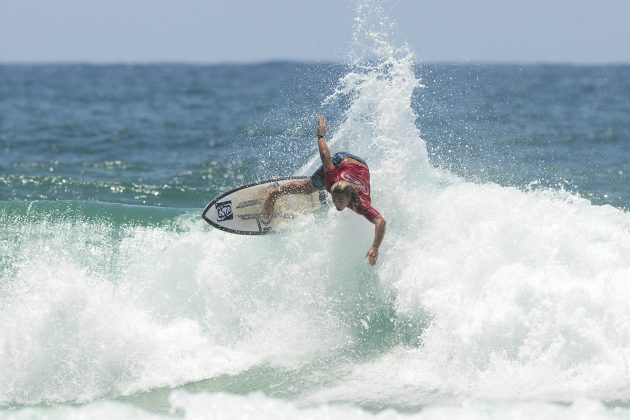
[{"x": 319, "y": 177}]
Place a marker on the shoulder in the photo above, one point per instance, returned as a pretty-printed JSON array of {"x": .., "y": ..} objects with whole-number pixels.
[
  {"x": 330, "y": 177},
  {"x": 331, "y": 172},
  {"x": 366, "y": 210}
]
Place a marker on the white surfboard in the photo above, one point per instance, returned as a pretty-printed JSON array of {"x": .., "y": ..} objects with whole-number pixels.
[{"x": 241, "y": 210}]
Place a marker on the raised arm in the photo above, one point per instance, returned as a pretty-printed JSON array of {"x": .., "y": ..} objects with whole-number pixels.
[{"x": 324, "y": 152}]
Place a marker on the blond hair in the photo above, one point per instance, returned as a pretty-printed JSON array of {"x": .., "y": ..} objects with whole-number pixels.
[{"x": 346, "y": 189}]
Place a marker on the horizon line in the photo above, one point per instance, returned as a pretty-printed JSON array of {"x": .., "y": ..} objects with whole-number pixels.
[{"x": 301, "y": 61}]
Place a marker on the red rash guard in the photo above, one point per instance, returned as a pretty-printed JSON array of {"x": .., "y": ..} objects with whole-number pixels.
[{"x": 359, "y": 177}]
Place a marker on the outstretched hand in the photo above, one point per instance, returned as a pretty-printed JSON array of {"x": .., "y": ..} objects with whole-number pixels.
[
  {"x": 322, "y": 126},
  {"x": 372, "y": 255}
]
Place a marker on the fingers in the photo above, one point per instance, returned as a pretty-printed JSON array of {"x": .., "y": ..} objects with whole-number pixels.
[
  {"x": 322, "y": 126},
  {"x": 372, "y": 256}
]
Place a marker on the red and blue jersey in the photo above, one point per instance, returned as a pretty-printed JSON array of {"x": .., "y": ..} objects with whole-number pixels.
[{"x": 359, "y": 177}]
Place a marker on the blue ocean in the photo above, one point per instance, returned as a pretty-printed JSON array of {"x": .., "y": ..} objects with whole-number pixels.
[{"x": 501, "y": 289}]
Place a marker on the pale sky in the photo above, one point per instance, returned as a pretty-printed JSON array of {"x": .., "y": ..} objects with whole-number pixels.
[{"x": 211, "y": 31}]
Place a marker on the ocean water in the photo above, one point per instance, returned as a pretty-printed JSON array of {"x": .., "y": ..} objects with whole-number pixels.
[{"x": 502, "y": 287}]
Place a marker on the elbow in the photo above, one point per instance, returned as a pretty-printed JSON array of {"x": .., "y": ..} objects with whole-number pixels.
[{"x": 380, "y": 222}]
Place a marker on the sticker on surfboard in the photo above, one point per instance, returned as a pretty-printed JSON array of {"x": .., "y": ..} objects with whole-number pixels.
[{"x": 241, "y": 210}]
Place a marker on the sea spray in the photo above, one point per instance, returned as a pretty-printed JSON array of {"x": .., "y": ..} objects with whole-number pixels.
[
  {"x": 524, "y": 291},
  {"x": 94, "y": 309}
]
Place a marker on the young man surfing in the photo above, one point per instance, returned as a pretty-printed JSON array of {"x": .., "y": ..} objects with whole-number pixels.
[{"x": 347, "y": 178}]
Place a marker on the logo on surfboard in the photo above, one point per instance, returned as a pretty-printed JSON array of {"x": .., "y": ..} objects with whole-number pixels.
[{"x": 224, "y": 211}]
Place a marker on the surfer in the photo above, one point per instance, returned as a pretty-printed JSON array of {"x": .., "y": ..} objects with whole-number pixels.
[{"x": 346, "y": 177}]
